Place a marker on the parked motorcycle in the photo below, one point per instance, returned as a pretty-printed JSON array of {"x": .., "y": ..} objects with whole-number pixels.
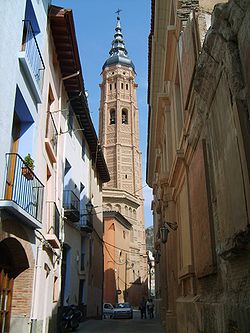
[{"x": 71, "y": 318}]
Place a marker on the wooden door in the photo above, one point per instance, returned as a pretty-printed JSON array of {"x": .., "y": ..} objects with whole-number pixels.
[{"x": 6, "y": 289}]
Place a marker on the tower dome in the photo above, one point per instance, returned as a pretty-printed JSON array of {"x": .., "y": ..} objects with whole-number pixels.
[{"x": 118, "y": 53}]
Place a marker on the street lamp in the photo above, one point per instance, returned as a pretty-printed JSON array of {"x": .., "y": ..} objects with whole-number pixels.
[
  {"x": 164, "y": 230},
  {"x": 164, "y": 233},
  {"x": 89, "y": 216},
  {"x": 89, "y": 207}
]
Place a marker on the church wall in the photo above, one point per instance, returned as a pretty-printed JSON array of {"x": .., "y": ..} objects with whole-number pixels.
[{"x": 206, "y": 187}]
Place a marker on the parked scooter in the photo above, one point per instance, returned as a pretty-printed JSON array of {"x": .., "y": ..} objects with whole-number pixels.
[{"x": 71, "y": 318}]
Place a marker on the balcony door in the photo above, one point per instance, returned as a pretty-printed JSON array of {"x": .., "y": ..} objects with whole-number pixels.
[{"x": 12, "y": 162}]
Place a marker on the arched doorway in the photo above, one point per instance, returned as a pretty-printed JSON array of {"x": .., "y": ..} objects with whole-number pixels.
[{"x": 13, "y": 261}]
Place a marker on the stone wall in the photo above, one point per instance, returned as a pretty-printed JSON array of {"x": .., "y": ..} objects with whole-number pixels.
[{"x": 221, "y": 121}]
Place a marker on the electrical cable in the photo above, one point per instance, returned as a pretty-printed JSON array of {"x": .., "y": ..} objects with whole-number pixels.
[{"x": 117, "y": 263}]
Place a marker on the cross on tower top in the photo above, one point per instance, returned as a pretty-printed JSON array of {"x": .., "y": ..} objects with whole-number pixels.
[{"x": 118, "y": 11}]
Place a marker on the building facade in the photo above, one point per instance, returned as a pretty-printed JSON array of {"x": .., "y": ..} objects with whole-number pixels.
[
  {"x": 84, "y": 172},
  {"x": 198, "y": 163},
  {"x": 119, "y": 138},
  {"x": 29, "y": 247},
  {"x": 51, "y": 173}
]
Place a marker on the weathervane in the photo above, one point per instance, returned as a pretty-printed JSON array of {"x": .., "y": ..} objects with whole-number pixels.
[{"x": 118, "y": 11}]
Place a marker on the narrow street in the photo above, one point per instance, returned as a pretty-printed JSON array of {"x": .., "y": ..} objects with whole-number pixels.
[{"x": 136, "y": 325}]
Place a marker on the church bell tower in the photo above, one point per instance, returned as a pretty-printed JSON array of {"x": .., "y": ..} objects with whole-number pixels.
[
  {"x": 119, "y": 133},
  {"x": 119, "y": 138}
]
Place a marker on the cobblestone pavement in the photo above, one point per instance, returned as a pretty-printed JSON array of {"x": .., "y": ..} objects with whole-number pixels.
[{"x": 135, "y": 325}]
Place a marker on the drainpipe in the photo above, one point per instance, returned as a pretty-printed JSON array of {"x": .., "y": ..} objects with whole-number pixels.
[{"x": 34, "y": 291}]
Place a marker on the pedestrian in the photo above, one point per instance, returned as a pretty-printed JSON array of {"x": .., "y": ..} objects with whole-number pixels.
[
  {"x": 150, "y": 307},
  {"x": 142, "y": 308}
]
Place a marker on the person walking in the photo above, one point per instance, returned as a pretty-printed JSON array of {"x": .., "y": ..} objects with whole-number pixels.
[
  {"x": 142, "y": 308},
  {"x": 150, "y": 308}
]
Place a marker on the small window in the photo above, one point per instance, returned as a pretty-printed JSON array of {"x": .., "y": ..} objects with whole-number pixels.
[
  {"x": 124, "y": 116},
  {"x": 126, "y": 176},
  {"x": 112, "y": 117},
  {"x": 126, "y": 86},
  {"x": 55, "y": 289},
  {"x": 122, "y": 85},
  {"x": 110, "y": 86},
  {"x": 124, "y": 234}
]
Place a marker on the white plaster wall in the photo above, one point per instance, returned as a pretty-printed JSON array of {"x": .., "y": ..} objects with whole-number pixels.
[
  {"x": 10, "y": 11},
  {"x": 11, "y": 36}
]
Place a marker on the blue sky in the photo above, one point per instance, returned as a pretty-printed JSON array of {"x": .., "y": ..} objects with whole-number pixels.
[{"x": 95, "y": 22}]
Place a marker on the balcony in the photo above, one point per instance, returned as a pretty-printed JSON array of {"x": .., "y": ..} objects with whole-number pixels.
[
  {"x": 71, "y": 205},
  {"x": 53, "y": 222},
  {"x": 23, "y": 195},
  {"x": 31, "y": 60}
]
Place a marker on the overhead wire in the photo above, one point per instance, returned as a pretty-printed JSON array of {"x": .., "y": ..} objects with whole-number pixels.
[{"x": 117, "y": 263}]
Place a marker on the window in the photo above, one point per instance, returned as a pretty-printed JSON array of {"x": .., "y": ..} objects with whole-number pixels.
[
  {"x": 126, "y": 86},
  {"x": 55, "y": 289},
  {"x": 124, "y": 116},
  {"x": 51, "y": 131},
  {"x": 118, "y": 208},
  {"x": 122, "y": 85},
  {"x": 112, "y": 116},
  {"x": 110, "y": 86}
]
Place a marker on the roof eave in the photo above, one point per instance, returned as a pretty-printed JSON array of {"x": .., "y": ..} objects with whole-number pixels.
[{"x": 63, "y": 31}]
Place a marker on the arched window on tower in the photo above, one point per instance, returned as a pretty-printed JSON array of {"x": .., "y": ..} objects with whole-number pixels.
[
  {"x": 112, "y": 117},
  {"x": 124, "y": 116},
  {"x": 117, "y": 208}
]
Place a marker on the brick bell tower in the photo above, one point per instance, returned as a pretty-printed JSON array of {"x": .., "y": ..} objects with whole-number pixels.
[{"x": 119, "y": 138}]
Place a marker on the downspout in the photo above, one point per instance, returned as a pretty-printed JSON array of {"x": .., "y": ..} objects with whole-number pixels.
[{"x": 34, "y": 292}]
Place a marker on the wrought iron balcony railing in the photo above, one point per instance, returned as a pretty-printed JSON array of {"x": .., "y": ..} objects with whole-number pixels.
[
  {"x": 71, "y": 205},
  {"x": 32, "y": 52},
  {"x": 23, "y": 187}
]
